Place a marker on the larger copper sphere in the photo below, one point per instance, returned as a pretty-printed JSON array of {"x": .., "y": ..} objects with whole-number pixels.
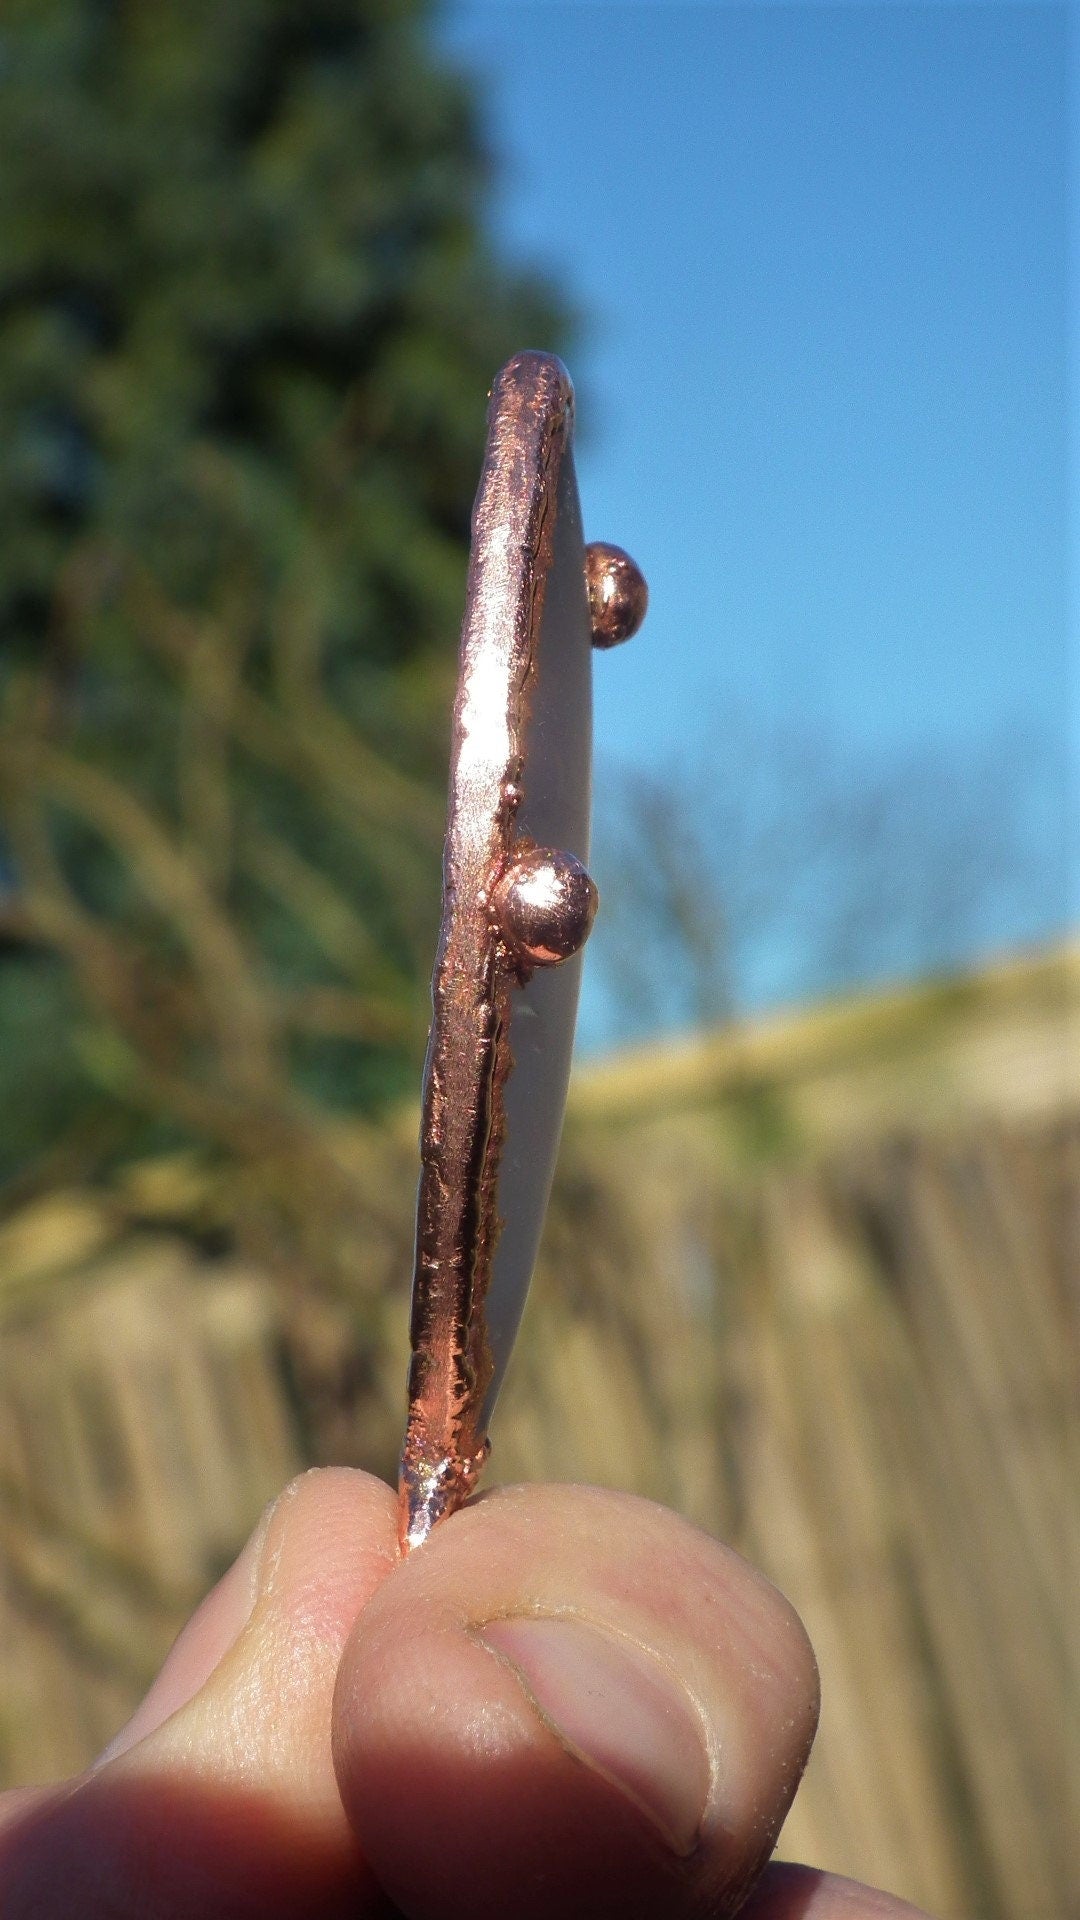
[
  {"x": 544, "y": 905},
  {"x": 618, "y": 595}
]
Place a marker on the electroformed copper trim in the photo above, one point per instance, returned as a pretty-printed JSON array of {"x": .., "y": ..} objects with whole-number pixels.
[{"x": 530, "y": 424}]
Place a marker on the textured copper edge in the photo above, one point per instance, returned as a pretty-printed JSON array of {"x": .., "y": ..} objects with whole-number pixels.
[{"x": 530, "y": 425}]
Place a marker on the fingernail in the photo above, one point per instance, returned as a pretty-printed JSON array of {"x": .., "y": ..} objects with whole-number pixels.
[{"x": 619, "y": 1708}]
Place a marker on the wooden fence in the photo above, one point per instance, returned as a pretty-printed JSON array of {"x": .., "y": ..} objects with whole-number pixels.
[{"x": 811, "y": 1286}]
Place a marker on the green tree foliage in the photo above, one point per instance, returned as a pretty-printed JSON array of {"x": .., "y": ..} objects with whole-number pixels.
[{"x": 248, "y": 316}]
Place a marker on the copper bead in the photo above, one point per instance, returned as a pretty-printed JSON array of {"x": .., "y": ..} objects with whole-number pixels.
[
  {"x": 618, "y": 595},
  {"x": 544, "y": 906}
]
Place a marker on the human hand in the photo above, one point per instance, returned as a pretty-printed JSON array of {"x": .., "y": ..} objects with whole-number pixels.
[{"x": 568, "y": 1702}]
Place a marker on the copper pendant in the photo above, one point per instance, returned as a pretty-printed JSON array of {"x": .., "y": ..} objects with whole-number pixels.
[{"x": 518, "y": 904}]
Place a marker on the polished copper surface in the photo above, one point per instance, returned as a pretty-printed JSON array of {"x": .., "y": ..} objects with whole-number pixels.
[
  {"x": 545, "y": 904},
  {"x": 513, "y": 910},
  {"x": 529, "y": 425},
  {"x": 618, "y": 595}
]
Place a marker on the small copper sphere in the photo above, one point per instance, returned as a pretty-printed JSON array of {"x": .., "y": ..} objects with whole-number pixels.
[
  {"x": 618, "y": 595},
  {"x": 544, "y": 905}
]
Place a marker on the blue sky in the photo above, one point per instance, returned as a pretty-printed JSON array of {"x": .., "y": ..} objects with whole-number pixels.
[{"x": 821, "y": 258}]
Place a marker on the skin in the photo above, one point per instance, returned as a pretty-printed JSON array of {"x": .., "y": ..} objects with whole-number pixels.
[{"x": 341, "y": 1732}]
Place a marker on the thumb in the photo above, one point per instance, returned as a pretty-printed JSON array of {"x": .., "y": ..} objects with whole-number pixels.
[
  {"x": 220, "y": 1796},
  {"x": 570, "y": 1702}
]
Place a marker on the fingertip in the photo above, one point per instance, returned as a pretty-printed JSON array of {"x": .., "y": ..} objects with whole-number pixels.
[
  {"x": 787, "y": 1891},
  {"x": 325, "y": 1547},
  {"x": 570, "y": 1701},
  {"x": 223, "y": 1797},
  {"x": 466, "y": 1803},
  {"x": 317, "y": 1550},
  {"x": 198, "y": 1649}
]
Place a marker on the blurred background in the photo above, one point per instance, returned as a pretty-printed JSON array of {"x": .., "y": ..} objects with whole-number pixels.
[{"x": 808, "y": 1266}]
